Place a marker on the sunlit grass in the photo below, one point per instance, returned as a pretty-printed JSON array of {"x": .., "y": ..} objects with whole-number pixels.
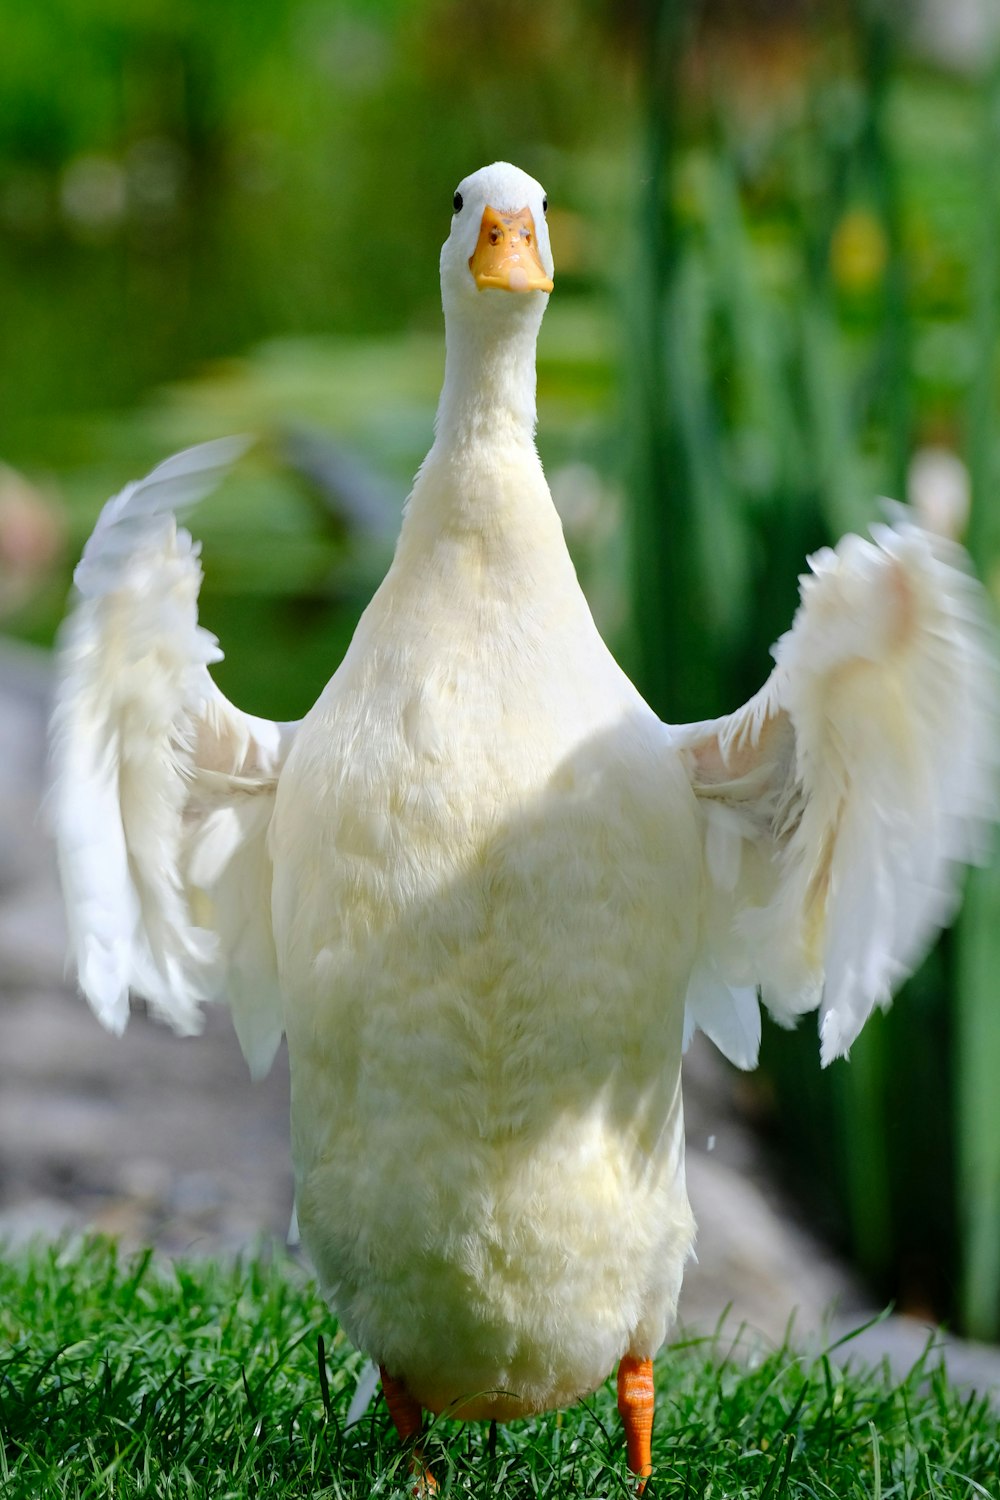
[{"x": 126, "y": 1377}]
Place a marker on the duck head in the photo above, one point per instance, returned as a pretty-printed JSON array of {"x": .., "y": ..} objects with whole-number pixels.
[
  {"x": 496, "y": 275},
  {"x": 496, "y": 262}
]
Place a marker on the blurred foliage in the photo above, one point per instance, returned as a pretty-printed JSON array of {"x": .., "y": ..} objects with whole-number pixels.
[
  {"x": 769, "y": 419},
  {"x": 776, "y": 236},
  {"x": 178, "y": 181}
]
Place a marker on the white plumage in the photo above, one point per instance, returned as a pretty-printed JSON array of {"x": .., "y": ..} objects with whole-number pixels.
[
  {"x": 843, "y": 798},
  {"x": 477, "y": 883},
  {"x": 162, "y": 790}
]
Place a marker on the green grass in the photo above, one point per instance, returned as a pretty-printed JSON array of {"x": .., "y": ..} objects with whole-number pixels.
[{"x": 124, "y": 1377}]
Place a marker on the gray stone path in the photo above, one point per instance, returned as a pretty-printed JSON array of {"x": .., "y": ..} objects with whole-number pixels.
[{"x": 165, "y": 1140}]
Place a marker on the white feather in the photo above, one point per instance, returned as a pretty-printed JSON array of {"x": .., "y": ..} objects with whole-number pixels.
[
  {"x": 161, "y": 790},
  {"x": 364, "y": 1393},
  {"x": 842, "y": 800}
]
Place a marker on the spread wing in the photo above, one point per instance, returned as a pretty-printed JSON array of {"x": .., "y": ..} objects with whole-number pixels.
[
  {"x": 162, "y": 791},
  {"x": 840, "y": 803}
]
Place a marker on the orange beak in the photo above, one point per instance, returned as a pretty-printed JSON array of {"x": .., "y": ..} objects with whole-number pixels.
[{"x": 507, "y": 253}]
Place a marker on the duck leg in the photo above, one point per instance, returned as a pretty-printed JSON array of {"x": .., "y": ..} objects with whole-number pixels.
[
  {"x": 408, "y": 1420},
  {"x": 635, "y": 1403}
]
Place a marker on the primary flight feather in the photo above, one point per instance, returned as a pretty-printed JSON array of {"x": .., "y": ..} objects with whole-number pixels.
[{"x": 485, "y": 892}]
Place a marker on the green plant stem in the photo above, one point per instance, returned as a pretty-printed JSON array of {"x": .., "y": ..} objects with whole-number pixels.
[
  {"x": 668, "y": 597},
  {"x": 977, "y": 1059}
]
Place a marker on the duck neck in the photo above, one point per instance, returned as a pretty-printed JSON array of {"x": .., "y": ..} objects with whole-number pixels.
[
  {"x": 482, "y": 480},
  {"x": 488, "y": 398}
]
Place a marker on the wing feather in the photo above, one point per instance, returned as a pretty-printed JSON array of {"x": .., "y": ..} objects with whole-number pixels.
[
  {"x": 161, "y": 790},
  {"x": 842, "y": 801}
]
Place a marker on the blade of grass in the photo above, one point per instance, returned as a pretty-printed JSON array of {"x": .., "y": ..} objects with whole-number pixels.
[{"x": 977, "y": 1061}]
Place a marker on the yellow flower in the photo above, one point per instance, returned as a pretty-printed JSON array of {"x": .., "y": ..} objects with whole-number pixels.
[{"x": 858, "y": 251}]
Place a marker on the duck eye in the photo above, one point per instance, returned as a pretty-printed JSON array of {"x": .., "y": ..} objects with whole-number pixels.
[
  {"x": 457, "y": 202},
  {"x": 545, "y": 204}
]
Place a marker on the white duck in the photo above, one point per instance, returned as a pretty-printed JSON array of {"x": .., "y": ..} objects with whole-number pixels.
[{"x": 478, "y": 884}]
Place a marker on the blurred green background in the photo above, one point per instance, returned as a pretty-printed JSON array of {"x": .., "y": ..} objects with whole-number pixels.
[{"x": 775, "y": 227}]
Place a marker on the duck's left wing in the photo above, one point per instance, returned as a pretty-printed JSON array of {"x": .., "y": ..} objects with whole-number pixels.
[
  {"x": 840, "y": 803},
  {"x": 162, "y": 790}
]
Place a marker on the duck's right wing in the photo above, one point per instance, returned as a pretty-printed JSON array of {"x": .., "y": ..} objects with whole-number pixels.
[
  {"x": 840, "y": 803},
  {"x": 162, "y": 791}
]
